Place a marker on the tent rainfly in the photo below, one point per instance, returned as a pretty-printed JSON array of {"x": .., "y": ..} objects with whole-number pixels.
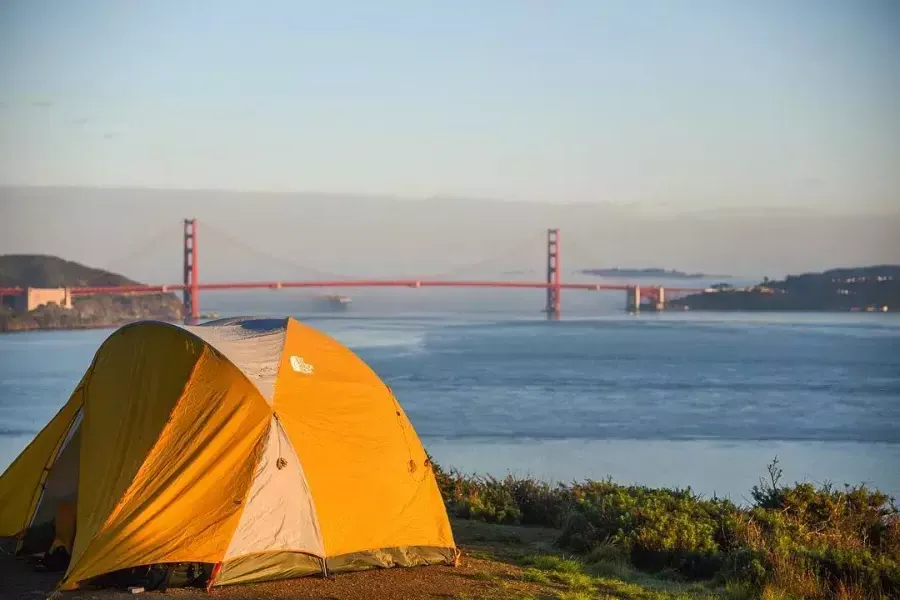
[{"x": 255, "y": 448}]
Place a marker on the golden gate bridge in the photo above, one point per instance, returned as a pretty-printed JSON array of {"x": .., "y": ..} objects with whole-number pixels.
[{"x": 191, "y": 286}]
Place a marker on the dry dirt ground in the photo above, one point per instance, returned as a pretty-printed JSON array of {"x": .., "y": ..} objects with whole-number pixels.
[
  {"x": 486, "y": 570},
  {"x": 497, "y": 563}
]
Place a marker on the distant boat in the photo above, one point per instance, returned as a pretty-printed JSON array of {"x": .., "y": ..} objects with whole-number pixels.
[{"x": 334, "y": 302}]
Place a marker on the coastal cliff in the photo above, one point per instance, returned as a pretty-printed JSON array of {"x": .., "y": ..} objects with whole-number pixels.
[
  {"x": 873, "y": 288},
  {"x": 102, "y": 310}
]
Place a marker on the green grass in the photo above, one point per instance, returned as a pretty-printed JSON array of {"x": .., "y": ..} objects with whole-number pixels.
[
  {"x": 548, "y": 562},
  {"x": 574, "y": 579},
  {"x": 552, "y": 575}
]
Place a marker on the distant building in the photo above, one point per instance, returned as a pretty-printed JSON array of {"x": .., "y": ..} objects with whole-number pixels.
[{"x": 32, "y": 298}]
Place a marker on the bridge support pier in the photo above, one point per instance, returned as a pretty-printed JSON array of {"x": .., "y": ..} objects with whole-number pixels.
[
  {"x": 553, "y": 282},
  {"x": 633, "y": 299},
  {"x": 660, "y": 299},
  {"x": 191, "y": 294}
]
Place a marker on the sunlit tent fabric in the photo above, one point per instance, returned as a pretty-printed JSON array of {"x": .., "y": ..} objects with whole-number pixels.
[{"x": 259, "y": 446}]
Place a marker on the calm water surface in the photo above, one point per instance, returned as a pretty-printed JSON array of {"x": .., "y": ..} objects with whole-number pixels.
[{"x": 662, "y": 400}]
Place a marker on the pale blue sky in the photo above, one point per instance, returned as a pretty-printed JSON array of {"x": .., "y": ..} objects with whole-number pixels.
[{"x": 691, "y": 104}]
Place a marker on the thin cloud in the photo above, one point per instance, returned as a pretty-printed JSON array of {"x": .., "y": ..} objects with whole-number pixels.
[{"x": 41, "y": 104}]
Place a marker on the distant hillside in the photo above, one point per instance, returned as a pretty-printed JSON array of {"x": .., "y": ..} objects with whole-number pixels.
[
  {"x": 101, "y": 310},
  {"x": 39, "y": 270},
  {"x": 859, "y": 288},
  {"x": 650, "y": 272}
]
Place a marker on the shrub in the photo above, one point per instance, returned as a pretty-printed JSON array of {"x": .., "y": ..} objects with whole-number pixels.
[
  {"x": 659, "y": 529},
  {"x": 540, "y": 504},
  {"x": 800, "y": 541},
  {"x": 842, "y": 539},
  {"x": 491, "y": 501}
]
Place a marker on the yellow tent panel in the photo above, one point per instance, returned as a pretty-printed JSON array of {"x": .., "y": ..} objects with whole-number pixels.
[{"x": 259, "y": 447}]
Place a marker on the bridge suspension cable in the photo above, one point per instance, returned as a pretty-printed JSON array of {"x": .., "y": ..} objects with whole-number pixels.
[
  {"x": 155, "y": 241},
  {"x": 526, "y": 245},
  {"x": 237, "y": 242},
  {"x": 319, "y": 273}
]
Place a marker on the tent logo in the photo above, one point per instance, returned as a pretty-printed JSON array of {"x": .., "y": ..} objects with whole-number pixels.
[{"x": 301, "y": 366}]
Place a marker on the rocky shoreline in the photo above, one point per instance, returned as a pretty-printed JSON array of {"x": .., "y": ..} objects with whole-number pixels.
[{"x": 94, "y": 312}]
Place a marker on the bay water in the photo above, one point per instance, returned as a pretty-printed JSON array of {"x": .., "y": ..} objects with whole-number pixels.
[{"x": 671, "y": 399}]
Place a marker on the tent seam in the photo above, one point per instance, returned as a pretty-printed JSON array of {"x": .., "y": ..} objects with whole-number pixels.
[
  {"x": 218, "y": 352},
  {"x": 260, "y": 451},
  {"x": 287, "y": 323},
  {"x": 312, "y": 500}
]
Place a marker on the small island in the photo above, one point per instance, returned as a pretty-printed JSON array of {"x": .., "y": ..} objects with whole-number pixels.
[
  {"x": 53, "y": 308},
  {"x": 653, "y": 273},
  {"x": 872, "y": 289}
]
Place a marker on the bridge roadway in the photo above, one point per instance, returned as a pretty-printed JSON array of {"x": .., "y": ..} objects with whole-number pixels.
[{"x": 354, "y": 283}]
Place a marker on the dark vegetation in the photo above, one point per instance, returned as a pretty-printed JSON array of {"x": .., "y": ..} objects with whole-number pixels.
[
  {"x": 859, "y": 288},
  {"x": 799, "y": 541},
  {"x": 40, "y": 271}
]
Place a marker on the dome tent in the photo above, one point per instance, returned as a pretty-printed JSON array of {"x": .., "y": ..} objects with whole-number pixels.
[{"x": 261, "y": 448}]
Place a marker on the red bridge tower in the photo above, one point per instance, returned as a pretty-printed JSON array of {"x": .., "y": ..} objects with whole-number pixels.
[
  {"x": 553, "y": 282},
  {"x": 191, "y": 273}
]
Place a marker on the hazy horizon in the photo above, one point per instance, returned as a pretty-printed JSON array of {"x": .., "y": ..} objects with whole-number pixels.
[{"x": 282, "y": 236}]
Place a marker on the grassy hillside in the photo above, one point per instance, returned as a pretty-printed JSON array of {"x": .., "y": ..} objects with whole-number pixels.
[
  {"x": 800, "y": 541},
  {"x": 39, "y": 270}
]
